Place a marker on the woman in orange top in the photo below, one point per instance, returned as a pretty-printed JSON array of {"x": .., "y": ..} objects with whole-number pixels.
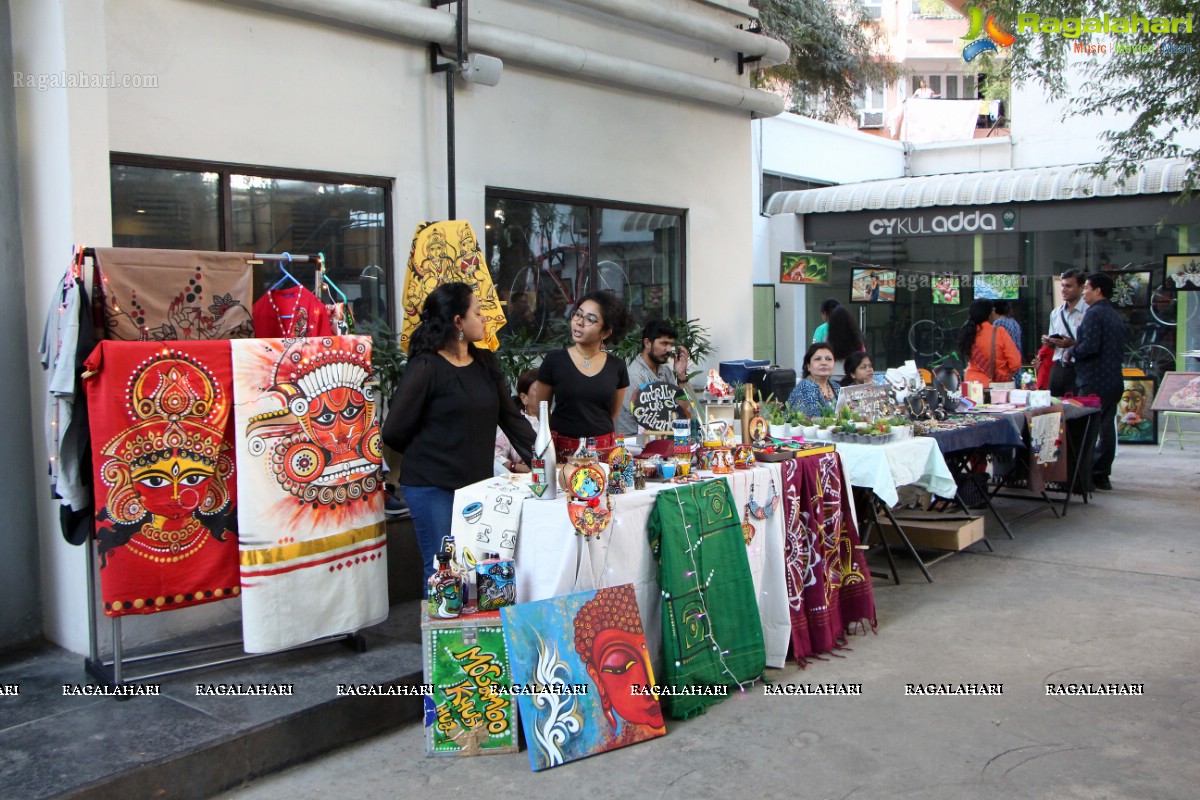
[{"x": 991, "y": 354}]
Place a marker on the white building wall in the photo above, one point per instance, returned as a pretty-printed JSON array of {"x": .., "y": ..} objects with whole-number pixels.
[
  {"x": 251, "y": 86},
  {"x": 805, "y": 148}
]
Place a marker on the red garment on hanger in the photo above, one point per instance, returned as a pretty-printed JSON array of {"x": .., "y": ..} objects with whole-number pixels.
[{"x": 290, "y": 313}]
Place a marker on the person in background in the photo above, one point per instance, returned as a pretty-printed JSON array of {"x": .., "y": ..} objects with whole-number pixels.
[
  {"x": 507, "y": 459},
  {"x": 1064, "y": 326},
  {"x": 821, "y": 334},
  {"x": 924, "y": 92},
  {"x": 658, "y": 346},
  {"x": 859, "y": 370},
  {"x": 844, "y": 339},
  {"x": 991, "y": 355},
  {"x": 1098, "y": 353},
  {"x": 816, "y": 394},
  {"x": 1002, "y": 318},
  {"x": 585, "y": 385},
  {"x": 445, "y": 413}
]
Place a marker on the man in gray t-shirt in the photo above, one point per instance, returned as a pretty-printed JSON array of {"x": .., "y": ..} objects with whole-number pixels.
[{"x": 658, "y": 345}]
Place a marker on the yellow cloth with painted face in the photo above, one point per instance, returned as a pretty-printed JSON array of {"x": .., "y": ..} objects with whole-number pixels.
[{"x": 448, "y": 252}]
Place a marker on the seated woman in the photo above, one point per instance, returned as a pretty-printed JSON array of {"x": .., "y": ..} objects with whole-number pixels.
[
  {"x": 991, "y": 355},
  {"x": 585, "y": 384},
  {"x": 816, "y": 395},
  {"x": 507, "y": 458},
  {"x": 858, "y": 370}
]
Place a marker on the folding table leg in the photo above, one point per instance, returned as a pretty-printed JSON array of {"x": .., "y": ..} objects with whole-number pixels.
[
  {"x": 873, "y": 522},
  {"x": 903, "y": 537}
]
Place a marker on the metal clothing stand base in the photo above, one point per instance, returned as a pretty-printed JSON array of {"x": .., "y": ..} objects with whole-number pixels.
[{"x": 113, "y": 673}]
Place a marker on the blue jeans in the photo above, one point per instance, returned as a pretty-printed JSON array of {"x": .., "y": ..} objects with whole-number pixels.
[{"x": 431, "y": 510}]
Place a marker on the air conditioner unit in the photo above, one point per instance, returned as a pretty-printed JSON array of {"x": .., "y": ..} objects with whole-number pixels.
[{"x": 870, "y": 119}]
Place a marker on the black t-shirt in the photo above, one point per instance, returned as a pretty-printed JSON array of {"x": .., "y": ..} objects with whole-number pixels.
[
  {"x": 582, "y": 404},
  {"x": 443, "y": 418}
]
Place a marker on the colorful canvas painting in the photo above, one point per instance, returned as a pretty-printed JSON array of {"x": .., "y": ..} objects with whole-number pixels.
[
  {"x": 1131, "y": 289},
  {"x": 1136, "y": 423},
  {"x": 946, "y": 291},
  {"x": 584, "y": 655},
  {"x": 467, "y": 665},
  {"x": 873, "y": 285},
  {"x": 312, "y": 535},
  {"x": 1183, "y": 271},
  {"x": 804, "y": 268},
  {"x": 1180, "y": 391},
  {"x": 998, "y": 287}
]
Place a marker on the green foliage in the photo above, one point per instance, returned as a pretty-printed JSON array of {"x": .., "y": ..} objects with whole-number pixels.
[
  {"x": 1160, "y": 87},
  {"x": 518, "y": 353},
  {"x": 833, "y": 57},
  {"x": 388, "y": 361}
]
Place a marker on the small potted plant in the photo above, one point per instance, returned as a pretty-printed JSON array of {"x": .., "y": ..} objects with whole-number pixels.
[
  {"x": 901, "y": 428},
  {"x": 778, "y": 420},
  {"x": 802, "y": 425},
  {"x": 825, "y": 426},
  {"x": 848, "y": 432}
]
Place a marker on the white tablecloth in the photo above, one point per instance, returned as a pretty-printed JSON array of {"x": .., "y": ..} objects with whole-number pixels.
[
  {"x": 884, "y": 467},
  {"x": 552, "y": 560}
]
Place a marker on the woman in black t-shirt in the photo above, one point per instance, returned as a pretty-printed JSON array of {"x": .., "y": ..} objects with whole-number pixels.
[
  {"x": 586, "y": 384},
  {"x": 444, "y": 415}
]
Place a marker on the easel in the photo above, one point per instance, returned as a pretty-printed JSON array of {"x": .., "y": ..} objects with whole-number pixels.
[
  {"x": 1180, "y": 433},
  {"x": 113, "y": 672}
]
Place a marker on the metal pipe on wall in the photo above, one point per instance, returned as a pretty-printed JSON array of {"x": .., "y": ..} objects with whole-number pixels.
[{"x": 516, "y": 47}]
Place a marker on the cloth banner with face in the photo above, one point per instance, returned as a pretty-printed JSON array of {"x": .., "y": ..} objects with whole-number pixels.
[
  {"x": 164, "y": 474},
  {"x": 169, "y": 295},
  {"x": 448, "y": 252},
  {"x": 313, "y": 544},
  {"x": 592, "y": 641}
]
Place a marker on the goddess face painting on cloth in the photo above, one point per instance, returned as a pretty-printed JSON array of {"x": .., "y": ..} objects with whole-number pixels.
[
  {"x": 325, "y": 447},
  {"x": 168, "y": 503},
  {"x": 612, "y": 646}
]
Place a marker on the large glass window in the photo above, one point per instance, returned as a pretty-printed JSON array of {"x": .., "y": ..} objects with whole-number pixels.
[
  {"x": 166, "y": 209},
  {"x": 546, "y": 253},
  {"x": 186, "y": 205}
]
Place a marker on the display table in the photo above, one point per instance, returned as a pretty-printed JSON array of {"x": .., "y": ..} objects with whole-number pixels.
[
  {"x": 879, "y": 469},
  {"x": 553, "y": 560},
  {"x": 884, "y": 467},
  {"x": 809, "y": 575}
]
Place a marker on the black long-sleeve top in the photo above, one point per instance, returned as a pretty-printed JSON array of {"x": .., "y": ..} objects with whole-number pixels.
[{"x": 443, "y": 418}]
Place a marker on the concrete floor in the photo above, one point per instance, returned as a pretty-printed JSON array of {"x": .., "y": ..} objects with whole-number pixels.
[{"x": 1110, "y": 593}]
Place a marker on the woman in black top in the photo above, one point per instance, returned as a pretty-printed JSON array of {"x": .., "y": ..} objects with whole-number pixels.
[
  {"x": 585, "y": 384},
  {"x": 444, "y": 416}
]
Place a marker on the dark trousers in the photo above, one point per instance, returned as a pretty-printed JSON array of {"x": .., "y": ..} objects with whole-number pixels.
[
  {"x": 1062, "y": 379},
  {"x": 1105, "y": 426}
]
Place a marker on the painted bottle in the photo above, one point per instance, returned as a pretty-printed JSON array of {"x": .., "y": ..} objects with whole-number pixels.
[
  {"x": 544, "y": 467},
  {"x": 495, "y": 582},
  {"x": 445, "y": 590}
]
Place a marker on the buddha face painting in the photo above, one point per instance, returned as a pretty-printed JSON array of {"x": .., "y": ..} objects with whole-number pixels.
[{"x": 611, "y": 644}]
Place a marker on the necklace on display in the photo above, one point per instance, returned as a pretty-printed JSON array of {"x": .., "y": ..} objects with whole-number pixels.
[{"x": 285, "y": 330}]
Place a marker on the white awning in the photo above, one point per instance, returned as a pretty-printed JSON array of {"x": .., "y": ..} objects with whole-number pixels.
[
  {"x": 648, "y": 221},
  {"x": 1072, "y": 182}
]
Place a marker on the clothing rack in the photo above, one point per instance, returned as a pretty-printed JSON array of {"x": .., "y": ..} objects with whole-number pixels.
[{"x": 113, "y": 672}]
